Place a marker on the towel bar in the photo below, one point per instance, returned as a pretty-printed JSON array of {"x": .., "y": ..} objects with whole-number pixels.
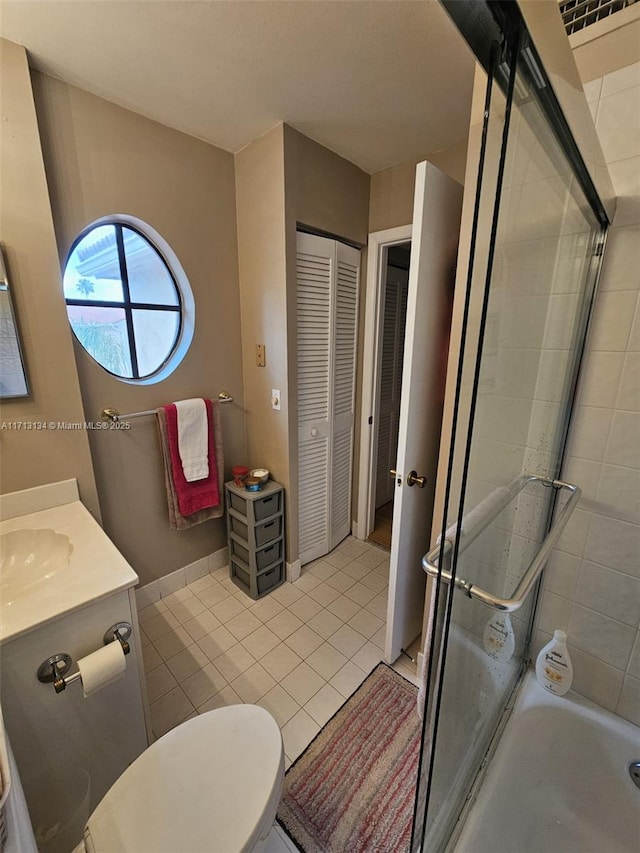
[
  {"x": 115, "y": 417},
  {"x": 430, "y": 560}
]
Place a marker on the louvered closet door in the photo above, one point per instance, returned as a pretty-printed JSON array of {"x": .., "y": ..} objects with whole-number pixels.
[
  {"x": 344, "y": 375},
  {"x": 316, "y": 261},
  {"x": 391, "y": 358},
  {"x": 327, "y": 317}
]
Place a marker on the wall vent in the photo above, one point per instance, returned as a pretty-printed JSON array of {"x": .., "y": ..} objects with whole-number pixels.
[{"x": 578, "y": 14}]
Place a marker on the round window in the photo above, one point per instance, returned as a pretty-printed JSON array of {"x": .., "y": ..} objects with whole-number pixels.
[{"x": 123, "y": 300}]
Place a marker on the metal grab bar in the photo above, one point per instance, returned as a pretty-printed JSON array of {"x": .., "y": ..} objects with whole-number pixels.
[{"x": 430, "y": 560}]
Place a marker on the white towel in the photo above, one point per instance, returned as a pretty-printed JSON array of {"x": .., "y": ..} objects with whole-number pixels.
[
  {"x": 478, "y": 519},
  {"x": 451, "y": 533},
  {"x": 193, "y": 438},
  {"x": 426, "y": 653}
]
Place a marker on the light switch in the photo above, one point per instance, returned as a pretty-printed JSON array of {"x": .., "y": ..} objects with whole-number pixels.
[
  {"x": 261, "y": 358},
  {"x": 275, "y": 399}
]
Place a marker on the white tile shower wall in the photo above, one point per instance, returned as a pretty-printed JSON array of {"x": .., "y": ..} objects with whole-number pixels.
[
  {"x": 526, "y": 359},
  {"x": 592, "y": 583},
  {"x": 520, "y": 382}
]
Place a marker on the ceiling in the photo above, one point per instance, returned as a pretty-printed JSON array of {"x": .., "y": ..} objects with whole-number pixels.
[{"x": 380, "y": 82}]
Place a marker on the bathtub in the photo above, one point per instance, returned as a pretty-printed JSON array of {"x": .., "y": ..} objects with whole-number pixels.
[{"x": 558, "y": 781}]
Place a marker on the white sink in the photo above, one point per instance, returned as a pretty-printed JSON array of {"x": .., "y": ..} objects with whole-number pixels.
[
  {"x": 30, "y": 558},
  {"x": 54, "y": 558}
]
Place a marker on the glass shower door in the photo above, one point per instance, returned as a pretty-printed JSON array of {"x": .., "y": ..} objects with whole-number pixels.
[{"x": 536, "y": 246}]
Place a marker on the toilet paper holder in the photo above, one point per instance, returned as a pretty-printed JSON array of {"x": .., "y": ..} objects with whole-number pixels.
[{"x": 55, "y": 668}]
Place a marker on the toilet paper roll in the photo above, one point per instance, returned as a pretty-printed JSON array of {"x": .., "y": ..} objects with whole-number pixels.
[{"x": 102, "y": 667}]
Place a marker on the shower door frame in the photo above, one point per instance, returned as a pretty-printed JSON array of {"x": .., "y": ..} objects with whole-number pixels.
[
  {"x": 490, "y": 27},
  {"x": 485, "y": 23}
]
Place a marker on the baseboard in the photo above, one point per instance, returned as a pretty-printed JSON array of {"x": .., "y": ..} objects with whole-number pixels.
[
  {"x": 160, "y": 588},
  {"x": 293, "y": 571}
]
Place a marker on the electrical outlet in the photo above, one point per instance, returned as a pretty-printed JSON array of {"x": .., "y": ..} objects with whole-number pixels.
[
  {"x": 261, "y": 357},
  {"x": 275, "y": 399}
]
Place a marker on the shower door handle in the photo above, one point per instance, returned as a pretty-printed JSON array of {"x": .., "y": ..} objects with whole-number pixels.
[{"x": 430, "y": 561}]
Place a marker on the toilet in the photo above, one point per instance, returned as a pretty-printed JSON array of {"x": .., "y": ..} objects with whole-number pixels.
[{"x": 211, "y": 784}]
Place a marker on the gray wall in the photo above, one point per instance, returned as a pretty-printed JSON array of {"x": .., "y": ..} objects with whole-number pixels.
[
  {"x": 102, "y": 159},
  {"x": 34, "y": 457}
]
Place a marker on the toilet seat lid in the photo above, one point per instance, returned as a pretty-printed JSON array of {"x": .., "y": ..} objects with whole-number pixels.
[{"x": 205, "y": 785}]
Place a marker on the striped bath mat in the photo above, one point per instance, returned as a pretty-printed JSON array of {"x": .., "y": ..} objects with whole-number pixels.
[{"x": 352, "y": 789}]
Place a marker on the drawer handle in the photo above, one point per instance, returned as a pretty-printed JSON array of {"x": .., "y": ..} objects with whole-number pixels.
[
  {"x": 271, "y": 523},
  {"x": 266, "y": 500}
]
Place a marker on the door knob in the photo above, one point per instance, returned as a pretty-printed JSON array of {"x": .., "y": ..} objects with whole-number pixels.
[
  {"x": 414, "y": 480},
  {"x": 393, "y": 473}
]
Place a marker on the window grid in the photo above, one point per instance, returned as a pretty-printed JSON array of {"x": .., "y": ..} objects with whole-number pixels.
[
  {"x": 124, "y": 277},
  {"x": 127, "y": 305}
]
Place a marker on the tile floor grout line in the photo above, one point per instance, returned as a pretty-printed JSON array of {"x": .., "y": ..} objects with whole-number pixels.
[{"x": 205, "y": 594}]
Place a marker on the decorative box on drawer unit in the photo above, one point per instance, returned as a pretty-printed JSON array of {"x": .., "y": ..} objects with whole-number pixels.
[{"x": 255, "y": 529}]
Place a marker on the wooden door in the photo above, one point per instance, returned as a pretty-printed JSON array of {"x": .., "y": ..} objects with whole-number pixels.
[{"x": 434, "y": 243}]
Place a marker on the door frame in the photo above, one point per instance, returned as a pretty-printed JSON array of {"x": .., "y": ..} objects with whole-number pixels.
[{"x": 378, "y": 242}]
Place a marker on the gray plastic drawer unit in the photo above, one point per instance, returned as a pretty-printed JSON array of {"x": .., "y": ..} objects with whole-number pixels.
[
  {"x": 260, "y": 534},
  {"x": 265, "y": 581},
  {"x": 255, "y": 531},
  {"x": 262, "y": 557},
  {"x": 260, "y": 505}
]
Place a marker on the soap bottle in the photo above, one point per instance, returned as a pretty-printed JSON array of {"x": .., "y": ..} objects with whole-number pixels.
[
  {"x": 498, "y": 638},
  {"x": 554, "y": 669}
]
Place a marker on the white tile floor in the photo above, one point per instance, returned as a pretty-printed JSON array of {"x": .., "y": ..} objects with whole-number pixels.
[{"x": 300, "y": 652}]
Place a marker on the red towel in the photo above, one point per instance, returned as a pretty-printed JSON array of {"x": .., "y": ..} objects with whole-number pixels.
[{"x": 200, "y": 494}]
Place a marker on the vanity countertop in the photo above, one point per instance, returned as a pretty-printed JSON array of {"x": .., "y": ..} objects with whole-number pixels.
[{"x": 95, "y": 570}]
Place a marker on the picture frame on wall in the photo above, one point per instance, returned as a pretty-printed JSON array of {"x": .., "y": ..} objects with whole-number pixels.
[{"x": 13, "y": 375}]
